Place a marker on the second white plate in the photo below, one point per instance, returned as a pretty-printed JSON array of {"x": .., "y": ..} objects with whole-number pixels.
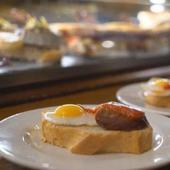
[
  {"x": 132, "y": 95},
  {"x": 21, "y": 143}
]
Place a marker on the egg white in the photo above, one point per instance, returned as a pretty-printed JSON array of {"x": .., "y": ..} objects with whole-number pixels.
[
  {"x": 153, "y": 89},
  {"x": 84, "y": 119}
]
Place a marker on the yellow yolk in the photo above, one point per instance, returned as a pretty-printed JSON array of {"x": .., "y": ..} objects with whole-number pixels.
[
  {"x": 68, "y": 111},
  {"x": 161, "y": 82}
]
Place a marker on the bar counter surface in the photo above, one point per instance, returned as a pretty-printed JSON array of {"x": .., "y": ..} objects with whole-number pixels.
[{"x": 87, "y": 90}]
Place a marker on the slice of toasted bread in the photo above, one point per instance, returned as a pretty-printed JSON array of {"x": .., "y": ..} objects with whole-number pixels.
[
  {"x": 93, "y": 139},
  {"x": 159, "y": 101},
  {"x": 41, "y": 55}
]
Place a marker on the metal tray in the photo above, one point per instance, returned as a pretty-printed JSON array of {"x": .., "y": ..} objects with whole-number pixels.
[{"x": 25, "y": 73}]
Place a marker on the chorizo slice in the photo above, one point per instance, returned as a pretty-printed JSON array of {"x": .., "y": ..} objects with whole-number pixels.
[{"x": 115, "y": 116}]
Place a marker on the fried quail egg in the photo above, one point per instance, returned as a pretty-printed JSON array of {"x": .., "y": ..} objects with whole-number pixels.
[
  {"x": 157, "y": 86},
  {"x": 71, "y": 115}
]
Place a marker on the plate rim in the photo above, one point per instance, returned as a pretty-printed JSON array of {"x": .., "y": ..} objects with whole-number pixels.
[
  {"x": 24, "y": 163},
  {"x": 120, "y": 99}
]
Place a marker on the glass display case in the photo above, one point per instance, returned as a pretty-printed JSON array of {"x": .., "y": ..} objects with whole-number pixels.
[{"x": 79, "y": 38}]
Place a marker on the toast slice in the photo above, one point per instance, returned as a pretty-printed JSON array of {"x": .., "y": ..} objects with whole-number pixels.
[
  {"x": 159, "y": 101},
  {"x": 93, "y": 139},
  {"x": 41, "y": 55}
]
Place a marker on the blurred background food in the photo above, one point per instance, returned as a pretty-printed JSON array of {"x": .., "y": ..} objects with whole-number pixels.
[{"x": 88, "y": 36}]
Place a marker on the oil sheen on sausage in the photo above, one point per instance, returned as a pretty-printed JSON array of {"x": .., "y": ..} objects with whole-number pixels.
[{"x": 115, "y": 116}]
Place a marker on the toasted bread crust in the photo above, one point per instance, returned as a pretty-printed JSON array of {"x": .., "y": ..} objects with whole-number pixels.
[
  {"x": 92, "y": 140},
  {"x": 159, "y": 101}
]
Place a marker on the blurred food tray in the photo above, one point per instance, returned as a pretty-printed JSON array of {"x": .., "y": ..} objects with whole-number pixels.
[{"x": 25, "y": 73}]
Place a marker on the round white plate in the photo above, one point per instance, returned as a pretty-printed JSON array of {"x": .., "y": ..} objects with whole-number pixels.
[
  {"x": 20, "y": 143},
  {"x": 133, "y": 95}
]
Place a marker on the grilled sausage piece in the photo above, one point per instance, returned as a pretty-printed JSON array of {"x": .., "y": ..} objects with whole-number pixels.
[{"x": 113, "y": 116}]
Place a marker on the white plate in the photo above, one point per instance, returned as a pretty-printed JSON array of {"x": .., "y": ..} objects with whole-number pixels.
[
  {"x": 20, "y": 143},
  {"x": 133, "y": 95}
]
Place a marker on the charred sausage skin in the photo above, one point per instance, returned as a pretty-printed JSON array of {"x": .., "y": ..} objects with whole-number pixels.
[{"x": 115, "y": 116}]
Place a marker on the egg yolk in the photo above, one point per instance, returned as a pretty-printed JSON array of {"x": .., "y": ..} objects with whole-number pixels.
[
  {"x": 69, "y": 110},
  {"x": 164, "y": 83}
]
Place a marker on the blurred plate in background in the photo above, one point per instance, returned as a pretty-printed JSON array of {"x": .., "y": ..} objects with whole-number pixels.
[{"x": 132, "y": 95}]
